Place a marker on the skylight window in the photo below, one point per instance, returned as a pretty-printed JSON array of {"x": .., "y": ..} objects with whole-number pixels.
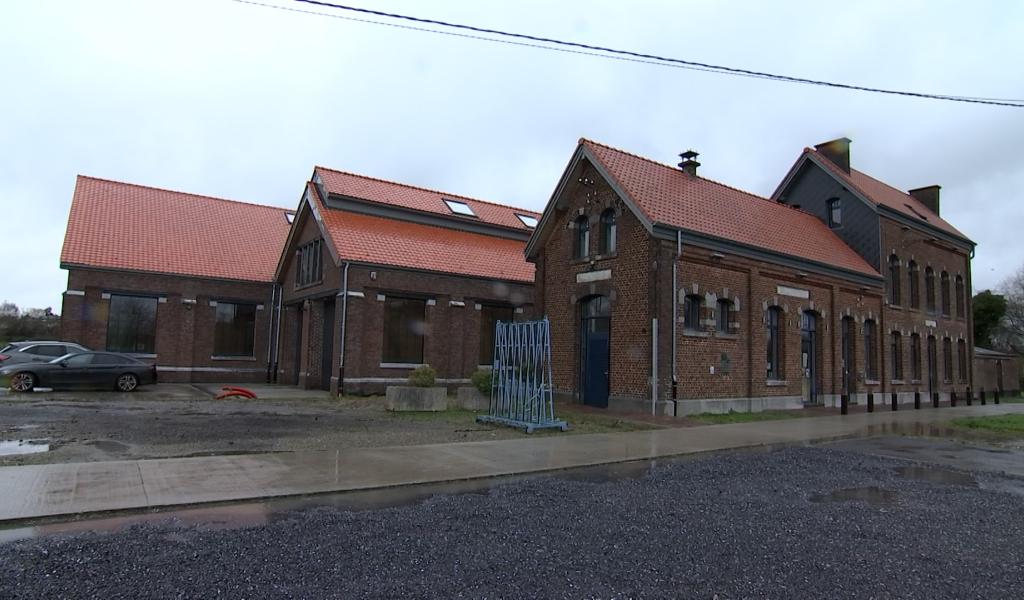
[
  {"x": 289, "y": 216},
  {"x": 459, "y": 208},
  {"x": 529, "y": 221}
]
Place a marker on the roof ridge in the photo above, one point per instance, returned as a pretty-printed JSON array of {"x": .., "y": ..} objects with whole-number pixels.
[
  {"x": 674, "y": 169},
  {"x": 431, "y": 190},
  {"x": 162, "y": 189}
]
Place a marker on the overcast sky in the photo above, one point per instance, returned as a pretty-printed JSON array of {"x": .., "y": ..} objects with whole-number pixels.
[{"x": 227, "y": 99}]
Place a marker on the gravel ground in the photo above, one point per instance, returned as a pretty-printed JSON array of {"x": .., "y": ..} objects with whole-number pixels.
[{"x": 741, "y": 525}]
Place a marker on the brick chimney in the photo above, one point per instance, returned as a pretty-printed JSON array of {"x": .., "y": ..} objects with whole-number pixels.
[
  {"x": 929, "y": 196},
  {"x": 837, "y": 151},
  {"x": 689, "y": 163}
]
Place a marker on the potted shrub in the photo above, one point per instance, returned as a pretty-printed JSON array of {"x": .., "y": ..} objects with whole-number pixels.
[{"x": 420, "y": 395}]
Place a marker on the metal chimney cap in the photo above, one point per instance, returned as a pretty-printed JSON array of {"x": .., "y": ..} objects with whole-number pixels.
[{"x": 689, "y": 155}]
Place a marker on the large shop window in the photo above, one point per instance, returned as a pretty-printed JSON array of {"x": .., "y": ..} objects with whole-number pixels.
[
  {"x": 234, "y": 332},
  {"x": 774, "y": 357},
  {"x": 489, "y": 316},
  {"x": 404, "y": 324},
  {"x": 309, "y": 268},
  {"x": 131, "y": 325},
  {"x": 870, "y": 351}
]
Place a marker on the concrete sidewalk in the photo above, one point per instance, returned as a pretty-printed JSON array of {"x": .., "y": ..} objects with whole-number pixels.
[{"x": 31, "y": 492}]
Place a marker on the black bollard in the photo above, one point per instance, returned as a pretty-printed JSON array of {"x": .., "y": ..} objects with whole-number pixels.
[
  {"x": 995, "y": 396},
  {"x": 871, "y": 402},
  {"x": 981, "y": 395},
  {"x": 952, "y": 399},
  {"x": 844, "y": 404},
  {"x": 969, "y": 394},
  {"x": 917, "y": 400},
  {"x": 935, "y": 399},
  {"x": 895, "y": 401}
]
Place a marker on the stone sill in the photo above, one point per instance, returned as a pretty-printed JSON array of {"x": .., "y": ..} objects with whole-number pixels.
[
  {"x": 238, "y": 358},
  {"x": 727, "y": 336},
  {"x": 697, "y": 334},
  {"x": 776, "y": 382},
  {"x": 386, "y": 365},
  {"x": 897, "y": 382},
  {"x": 872, "y": 382}
]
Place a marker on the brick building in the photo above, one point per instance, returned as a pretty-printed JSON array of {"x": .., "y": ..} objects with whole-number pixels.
[
  {"x": 670, "y": 292},
  {"x": 378, "y": 278},
  {"x": 183, "y": 280},
  {"x": 996, "y": 371}
]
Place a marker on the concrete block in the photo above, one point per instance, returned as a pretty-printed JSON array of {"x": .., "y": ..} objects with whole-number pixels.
[
  {"x": 470, "y": 398},
  {"x": 407, "y": 398}
]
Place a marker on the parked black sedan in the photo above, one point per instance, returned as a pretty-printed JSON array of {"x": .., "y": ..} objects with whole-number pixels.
[{"x": 103, "y": 370}]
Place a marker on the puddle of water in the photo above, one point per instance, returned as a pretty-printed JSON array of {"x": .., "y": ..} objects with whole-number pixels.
[
  {"x": 937, "y": 475},
  {"x": 873, "y": 495},
  {"x": 8, "y": 448}
]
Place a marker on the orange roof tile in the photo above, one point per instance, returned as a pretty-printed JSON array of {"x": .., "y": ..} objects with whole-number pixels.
[
  {"x": 419, "y": 199},
  {"x": 884, "y": 194},
  {"x": 380, "y": 240},
  {"x": 115, "y": 225},
  {"x": 669, "y": 196}
]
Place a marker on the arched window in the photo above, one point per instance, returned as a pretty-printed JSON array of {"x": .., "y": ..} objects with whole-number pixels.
[
  {"x": 913, "y": 279},
  {"x": 897, "y": 355},
  {"x": 894, "y": 280},
  {"x": 691, "y": 312},
  {"x": 947, "y": 359},
  {"x": 915, "y": 357},
  {"x": 929, "y": 289},
  {"x": 774, "y": 343},
  {"x": 944, "y": 280},
  {"x": 722, "y": 317},
  {"x": 609, "y": 231},
  {"x": 960, "y": 300},
  {"x": 961, "y": 351},
  {"x": 870, "y": 351},
  {"x": 582, "y": 248}
]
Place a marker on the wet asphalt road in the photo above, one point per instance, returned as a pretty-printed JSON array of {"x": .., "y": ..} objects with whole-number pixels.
[{"x": 811, "y": 522}]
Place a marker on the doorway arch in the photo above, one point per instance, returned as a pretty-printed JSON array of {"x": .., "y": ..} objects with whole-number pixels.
[{"x": 595, "y": 350}]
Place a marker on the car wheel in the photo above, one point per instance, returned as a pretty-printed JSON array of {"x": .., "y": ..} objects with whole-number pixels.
[
  {"x": 23, "y": 382},
  {"x": 127, "y": 383}
]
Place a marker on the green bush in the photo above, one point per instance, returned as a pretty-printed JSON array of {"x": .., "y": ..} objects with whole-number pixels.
[
  {"x": 481, "y": 379},
  {"x": 423, "y": 376}
]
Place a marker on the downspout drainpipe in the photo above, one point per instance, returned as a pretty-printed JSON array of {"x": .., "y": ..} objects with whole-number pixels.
[
  {"x": 654, "y": 366},
  {"x": 675, "y": 313},
  {"x": 270, "y": 333},
  {"x": 344, "y": 316},
  {"x": 277, "y": 338}
]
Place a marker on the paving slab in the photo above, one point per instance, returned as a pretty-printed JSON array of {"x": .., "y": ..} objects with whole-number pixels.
[{"x": 38, "y": 491}]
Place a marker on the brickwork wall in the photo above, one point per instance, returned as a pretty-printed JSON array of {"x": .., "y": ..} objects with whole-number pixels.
[
  {"x": 913, "y": 245},
  {"x": 986, "y": 374},
  {"x": 184, "y": 340}
]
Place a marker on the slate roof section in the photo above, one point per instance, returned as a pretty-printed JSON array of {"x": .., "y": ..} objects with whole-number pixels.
[
  {"x": 884, "y": 194},
  {"x": 668, "y": 196},
  {"x": 419, "y": 199},
  {"x": 384, "y": 241},
  {"x": 124, "y": 226}
]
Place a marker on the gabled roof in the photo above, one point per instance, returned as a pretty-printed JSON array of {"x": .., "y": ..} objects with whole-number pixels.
[
  {"x": 882, "y": 194},
  {"x": 115, "y": 225},
  {"x": 385, "y": 241},
  {"x": 419, "y": 199},
  {"x": 668, "y": 196}
]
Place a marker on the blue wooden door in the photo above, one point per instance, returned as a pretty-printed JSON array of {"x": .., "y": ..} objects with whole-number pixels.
[{"x": 595, "y": 329}]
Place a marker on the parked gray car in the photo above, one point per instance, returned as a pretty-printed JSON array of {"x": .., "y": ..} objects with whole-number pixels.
[
  {"x": 36, "y": 351},
  {"x": 100, "y": 370}
]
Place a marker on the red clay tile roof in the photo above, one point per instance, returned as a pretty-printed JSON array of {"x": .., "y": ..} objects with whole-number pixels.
[
  {"x": 386, "y": 241},
  {"x": 886, "y": 195},
  {"x": 115, "y": 225},
  {"x": 419, "y": 199},
  {"x": 669, "y": 196}
]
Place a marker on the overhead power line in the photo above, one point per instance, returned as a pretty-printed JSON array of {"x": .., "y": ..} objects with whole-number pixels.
[{"x": 617, "y": 54}]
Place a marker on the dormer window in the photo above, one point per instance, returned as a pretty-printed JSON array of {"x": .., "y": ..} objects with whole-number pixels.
[
  {"x": 529, "y": 221},
  {"x": 835, "y": 213},
  {"x": 459, "y": 208}
]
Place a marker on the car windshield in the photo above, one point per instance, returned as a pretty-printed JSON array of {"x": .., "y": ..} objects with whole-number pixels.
[{"x": 7, "y": 348}]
